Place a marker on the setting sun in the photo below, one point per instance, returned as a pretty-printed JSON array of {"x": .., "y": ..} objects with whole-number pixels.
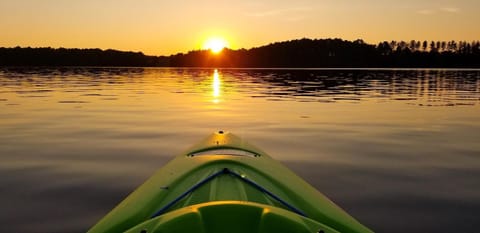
[{"x": 215, "y": 44}]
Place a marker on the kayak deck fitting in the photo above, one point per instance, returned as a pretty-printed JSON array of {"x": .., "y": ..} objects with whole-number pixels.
[{"x": 224, "y": 184}]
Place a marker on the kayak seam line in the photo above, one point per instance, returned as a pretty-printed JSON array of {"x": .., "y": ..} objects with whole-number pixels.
[
  {"x": 227, "y": 171},
  {"x": 272, "y": 195},
  {"x": 191, "y": 189}
]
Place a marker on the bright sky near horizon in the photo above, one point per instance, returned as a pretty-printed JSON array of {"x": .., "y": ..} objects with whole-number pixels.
[{"x": 167, "y": 27}]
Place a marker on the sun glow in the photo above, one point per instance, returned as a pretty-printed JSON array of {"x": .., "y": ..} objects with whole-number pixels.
[{"x": 215, "y": 44}]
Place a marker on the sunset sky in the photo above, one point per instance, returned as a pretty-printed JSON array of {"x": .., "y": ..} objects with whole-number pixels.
[{"x": 165, "y": 27}]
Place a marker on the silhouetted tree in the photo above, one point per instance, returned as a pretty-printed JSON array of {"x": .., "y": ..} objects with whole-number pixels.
[
  {"x": 393, "y": 45},
  {"x": 433, "y": 49},
  {"x": 384, "y": 48},
  {"x": 476, "y": 47},
  {"x": 418, "y": 44},
  {"x": 452, "y": 46},
  {"x": 443, "y": 45},
  {"x": 412, "y": 45}
]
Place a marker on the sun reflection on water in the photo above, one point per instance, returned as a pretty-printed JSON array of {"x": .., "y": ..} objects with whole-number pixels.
[{"x": 216, "y": 83}]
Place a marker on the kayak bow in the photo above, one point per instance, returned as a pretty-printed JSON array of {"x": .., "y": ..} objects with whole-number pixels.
[{"x": 224, "y": 184}]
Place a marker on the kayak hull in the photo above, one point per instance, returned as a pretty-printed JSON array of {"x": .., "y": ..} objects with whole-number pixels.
[{"x": 220, "y": 178}]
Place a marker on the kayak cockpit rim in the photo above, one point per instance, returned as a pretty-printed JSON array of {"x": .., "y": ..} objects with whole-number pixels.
[{"x": 223, "y": 151}]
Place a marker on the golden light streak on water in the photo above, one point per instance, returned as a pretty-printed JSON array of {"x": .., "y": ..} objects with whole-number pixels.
[{"x": 216, "y": 86}]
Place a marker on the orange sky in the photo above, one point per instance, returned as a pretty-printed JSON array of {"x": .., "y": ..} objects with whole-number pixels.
[{"x": 166, "y": 27}]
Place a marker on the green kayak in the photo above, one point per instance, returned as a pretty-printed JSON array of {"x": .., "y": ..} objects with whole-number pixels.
[{"x": 225, "y": 185}]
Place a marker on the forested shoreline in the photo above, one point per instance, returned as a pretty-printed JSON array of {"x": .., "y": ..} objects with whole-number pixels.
[{"x": 301, "y": 53}]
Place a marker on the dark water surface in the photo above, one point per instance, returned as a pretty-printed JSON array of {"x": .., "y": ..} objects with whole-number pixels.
[{"x": 398, "y": 149}]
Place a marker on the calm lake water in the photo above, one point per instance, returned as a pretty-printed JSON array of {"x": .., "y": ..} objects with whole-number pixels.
[{"x": 397, "y": 149}]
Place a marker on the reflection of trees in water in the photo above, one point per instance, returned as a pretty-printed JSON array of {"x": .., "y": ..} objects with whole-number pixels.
[
  {"x": 65, "y": 70},
  {"x": 423, "y": 87},
  {"x": 434, "y": 87},
  {"x": 59, "y": 77}
]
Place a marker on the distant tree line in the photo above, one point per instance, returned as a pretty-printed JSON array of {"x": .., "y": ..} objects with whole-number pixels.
[
  {"x": 293, "y": 53},
  {"x": 339, "y": 53},
  {"x": 429, "y": 53},
  {"x": 73, "y": 57}
]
